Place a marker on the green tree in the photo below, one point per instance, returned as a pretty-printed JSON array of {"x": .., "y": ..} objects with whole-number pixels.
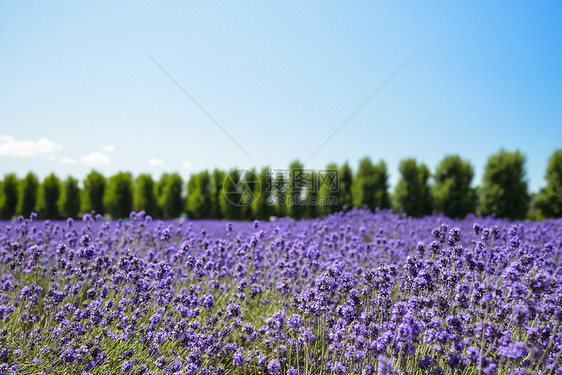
[
  {"x": 412, "y": 193},
  {"x": 312, "y": 208},
  {"x": 279, "y": 194},
  {"x": 549, "y": 198},
  {"x": 250, "y": 184},
  {"x": 119, "y": 195},
  {"x": 159, "y": 187},
  {"x": 451, "y": 190},
  {"x": 70, "y": 199},
  {"x": 382, "y": 197},
  {"x": 345, "y": 196},
  {"x": 9, "y": 202},
  {"x": 296, "y": 188},
  {"x": 504, "y": 188},
  {"x": 233, "y": 196},
  {"x": 217, "y": 181},
  {"x": 170, "y": 197},
  {"x": 262, "y": 207},
  {"x": 144, "y": 196},
  {"x": 49, "y": 195},
  {"x": 370, "y": 185},
  {"x": 28, "y": 194},
  {"x": 330, "y": 185},
  {"x": 199, "y": 198},
  {"x": 93, "y": 193},
  {"x": 190, "y": 201}
]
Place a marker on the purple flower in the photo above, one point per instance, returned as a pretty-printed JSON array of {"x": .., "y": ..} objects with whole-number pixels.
[
  {"x": 513, "y": 351},
  {"x": 238, "y": 357},
  {"x": 295, "y": 322},
  {"x": 127, "y": 366},
  {"x": 274, "y": 367},
  {"x": 425, "y": 363},
  {"x": 68, "y": 355},
  {"x": 477, "y": 228},
  {"x": 165, "y": 235},
  {"x": 176, "y": 365},
  {"x": 435, "y": 247}
]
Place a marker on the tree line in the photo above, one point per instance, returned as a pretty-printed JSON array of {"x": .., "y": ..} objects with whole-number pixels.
[{"x": 503, "y": 191}]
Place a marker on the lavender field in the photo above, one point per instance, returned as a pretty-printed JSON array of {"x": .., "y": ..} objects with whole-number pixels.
[{"x": 353, "y": 293}]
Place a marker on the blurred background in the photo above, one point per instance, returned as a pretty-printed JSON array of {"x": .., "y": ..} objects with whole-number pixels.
[{"x": 175, "y": 92}]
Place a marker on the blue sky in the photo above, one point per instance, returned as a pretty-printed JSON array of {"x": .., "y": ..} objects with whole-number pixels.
[{"x": 78, "y": 91}]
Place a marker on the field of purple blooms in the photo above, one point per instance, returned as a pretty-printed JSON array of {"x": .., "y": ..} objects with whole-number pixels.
[{"x": 353, "y": 293}]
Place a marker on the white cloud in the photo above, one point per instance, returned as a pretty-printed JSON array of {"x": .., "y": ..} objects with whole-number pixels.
[
  {"x": 155, "y": 162},
  {"x": 67, "y": 160},
  {"x": 96, "y": 158},
  {"x": 25, "y": 148},
  {"x": 108, "y": 148},
  {"x": 187, "y": 165}
]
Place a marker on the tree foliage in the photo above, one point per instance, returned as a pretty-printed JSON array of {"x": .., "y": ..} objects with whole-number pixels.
[
  {"x": 49, "y": 195},
  {"x": 250, "y": 183},
  {"x": 504, "y": 186},
  {"x": 327, "y": 190},
  {"x": 28, "y": 194},
  {"x": 94, "y": 192},
  {"x": 9, "y": 196},
  {"x": 217, "y": 181},
  {"x": 119, "y": 195},
  {"x": 170, "y": 197},
  {"x": 549, "y": 198},
  {"x": 503, "y": 191},
  {"x": 452, "y": 192},
  {"x": 199, "y": 196},
  {"x": 311, "y": 195},
  {"x": 231, "y": 196},
  {"x": 345, "y": 196},
  {"x": 262, "y": 207},
  {"x": 412, "y": 193},
  {"x": 237, "y": 195},
  {"x": 70, "y": 200},
  {"x": 296, "y": 188},
  {"x": 279, "y": 194},
  {"x": 144, "y": 196},
  {"x": 370, "y": 185}
]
